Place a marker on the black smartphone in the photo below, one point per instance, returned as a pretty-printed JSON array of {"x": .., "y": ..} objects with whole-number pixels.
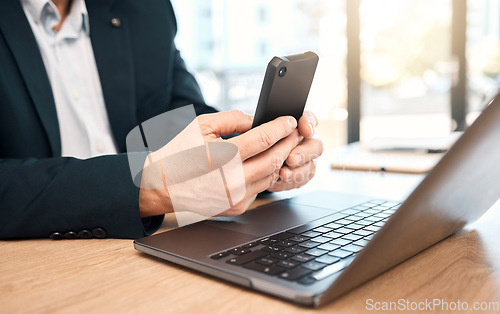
[{"x": 286, "y": 86}]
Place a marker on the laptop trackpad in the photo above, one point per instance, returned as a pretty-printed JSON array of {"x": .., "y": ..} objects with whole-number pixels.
[{"x": 271, "y": 218}]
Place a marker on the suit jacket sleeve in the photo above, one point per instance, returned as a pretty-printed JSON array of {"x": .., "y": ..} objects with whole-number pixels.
[{"x": 42, "y": 196}]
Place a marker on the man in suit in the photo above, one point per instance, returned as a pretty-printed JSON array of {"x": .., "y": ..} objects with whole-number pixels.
[{"x": 75, "y": 78}]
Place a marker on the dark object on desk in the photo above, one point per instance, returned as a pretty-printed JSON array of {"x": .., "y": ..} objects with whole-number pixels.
[
  {"x": 411, "y": 150},
  {"x": 314, "y": 248}
]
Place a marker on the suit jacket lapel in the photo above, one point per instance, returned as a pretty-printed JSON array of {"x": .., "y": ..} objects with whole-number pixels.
[
  {"x": 113, "y": 54},
  {"x": 23, "y": 45}
]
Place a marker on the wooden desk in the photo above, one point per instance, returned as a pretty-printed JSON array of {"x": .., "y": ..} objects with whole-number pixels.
[{"x": 75, "y": 276}]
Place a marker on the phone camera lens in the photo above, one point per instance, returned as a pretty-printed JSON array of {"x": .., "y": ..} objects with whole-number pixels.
[{"x": 282, "y": 72}]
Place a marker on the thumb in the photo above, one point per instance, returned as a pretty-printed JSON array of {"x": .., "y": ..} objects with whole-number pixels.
[{"x": 225, "y": 123}]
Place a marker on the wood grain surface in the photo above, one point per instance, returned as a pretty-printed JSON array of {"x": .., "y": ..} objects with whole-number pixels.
[{"x": 109, "y": 275}]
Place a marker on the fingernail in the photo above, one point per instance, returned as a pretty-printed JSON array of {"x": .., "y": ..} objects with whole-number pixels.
[
  {"x": 311, "y": 127},
  {"x": 287, "y": 173},
  {"x": 292, "y": 122}
]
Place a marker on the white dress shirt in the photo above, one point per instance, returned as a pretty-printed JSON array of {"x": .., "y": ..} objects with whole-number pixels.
[{"x": 69, "y": 61}]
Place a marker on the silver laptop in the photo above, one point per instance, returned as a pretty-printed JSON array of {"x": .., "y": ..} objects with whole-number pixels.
[{"x": 316, "y": 247}]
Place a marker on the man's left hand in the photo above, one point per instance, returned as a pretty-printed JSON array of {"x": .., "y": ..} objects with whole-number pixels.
[{"x": 300, "y": 166}]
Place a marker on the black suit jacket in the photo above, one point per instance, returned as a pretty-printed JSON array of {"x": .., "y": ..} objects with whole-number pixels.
[{"x": 142, "y": 75}]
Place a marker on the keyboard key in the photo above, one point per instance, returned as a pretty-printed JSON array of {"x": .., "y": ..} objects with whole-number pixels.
[
  {"x": 296, "y": 249},
  {"x": 281, "y": 236},
  {"x": 361, "y": 242},
  {"x": 311, "y": 234},
  {"x": 372, "y": 228},
  {"x": 352, "y": 248},
  {"x": 321, "y": 239},
  {"x": 333, "y": 225},
  {"x": 343, "y": 221},
  {"x": 296, "y": 273},
  {"x": 363, "y": 214},
  {"x": 238, "y": 251},
  {"x": 313, "y": 265},
  {"x": 267, "y": 241},
  {"x": 302, "y": 258},
  {"x": 369, "y": 237},
  {"x": 322, "y": 229},
  {"x": 382, "y": 215},
  {"x": 266, "y": 261},
  {"x": 271, "y": 248},
  {"x": 282, "y": 255},
  {"x": 363, "y": 233},
  {"x": 354, "y": 226},
  {"x": 250, "y": 245},
  {"x": 327, "y": 259},
  {"x": 343, "y": 230},
  {"x": 352, "y": 237},
  {"x": 364, "y": 222},
  {"x": 288, "y": 264},
  {"x": 270, "y": 270},
  {"x": 285, "y": 243},
  {"x": 340, "y": 253},
  {"x": 307, "y": 281},
  {"x": 316, "y": 252},
  {"x": 373, "y": 219},
  {"x": 298, "y": 238},
  {"x": 333, "y": 235},
  {"x": 328, "y": 246},
  {"x": 309, "y": 244},
  {"x": 340, "y": 241},
  {"x": 379, "y": 224},
  {"x": 332, "y": 269},
  {"x": 219, "y": 255},
  {"x": 243, "y": 259},
  {"x": 353, "y": 218}
]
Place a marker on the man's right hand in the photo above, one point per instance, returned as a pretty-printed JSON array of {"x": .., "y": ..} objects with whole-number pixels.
[{"x": 263, "y": 151}]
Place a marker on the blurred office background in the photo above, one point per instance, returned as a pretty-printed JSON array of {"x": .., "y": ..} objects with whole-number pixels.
[{"x": 416, "y": 68}]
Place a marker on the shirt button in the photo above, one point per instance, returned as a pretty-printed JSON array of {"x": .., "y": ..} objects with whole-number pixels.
[
  {"x": 99, "y": 233},
  {"x": 85, "y": 234},
  {"x": 56, "y": 236},
  {"x": 99, "y": 146},
  {"x": 76, "y": 95},
  {"x": 70, "y": 235}
]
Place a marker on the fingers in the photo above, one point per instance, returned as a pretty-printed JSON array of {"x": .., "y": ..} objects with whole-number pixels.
[
  {"x": 264, "y": 136},
  {"x": 309, "y": 149},
  {"x": 294, "y": 178},
  {"x": 225, "y": 123},
  {"x": 271, "y": 160},
  {"x": 262, "y": 171},
  {"x": 307, "y": 123}
]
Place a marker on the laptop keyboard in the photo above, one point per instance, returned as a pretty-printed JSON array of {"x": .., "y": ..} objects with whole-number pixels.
[{"x": 315, "y": 250}]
